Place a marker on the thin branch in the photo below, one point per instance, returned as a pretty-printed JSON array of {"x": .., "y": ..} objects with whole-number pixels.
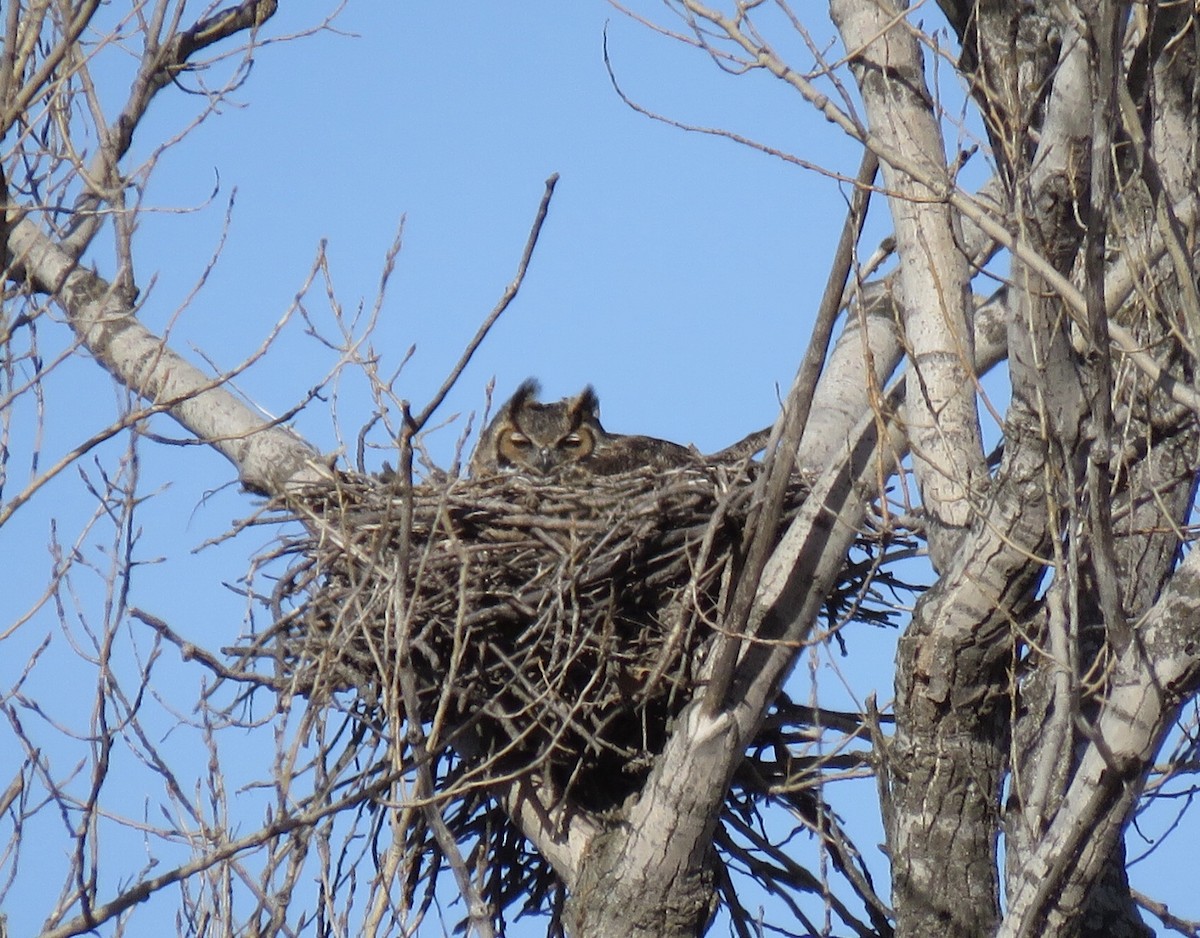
[
  {"x": 414, "y": 424},
  {"x": 781, "y": 452}
]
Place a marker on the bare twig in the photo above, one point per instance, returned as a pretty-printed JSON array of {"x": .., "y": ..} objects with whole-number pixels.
[
  {"x": 781, "y": 451},
  {"x": 416, "y": 423}
]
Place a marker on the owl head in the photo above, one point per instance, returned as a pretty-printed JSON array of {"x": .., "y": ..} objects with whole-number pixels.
[{"x": 526, "y": 435}]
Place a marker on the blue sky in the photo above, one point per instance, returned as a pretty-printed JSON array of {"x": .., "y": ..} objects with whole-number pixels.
[{"x": 677, "y": 272}]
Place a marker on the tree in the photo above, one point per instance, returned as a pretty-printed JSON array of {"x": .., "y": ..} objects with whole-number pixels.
[{"x": 1043, "y": 672}]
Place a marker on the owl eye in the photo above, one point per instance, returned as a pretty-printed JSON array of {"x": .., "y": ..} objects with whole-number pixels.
[
  {"x": 572, "y": 441},
  {"x": 519, "y": 440}
]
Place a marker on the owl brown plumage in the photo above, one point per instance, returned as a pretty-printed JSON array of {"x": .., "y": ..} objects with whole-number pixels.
[{"x": 529, "y": 436}]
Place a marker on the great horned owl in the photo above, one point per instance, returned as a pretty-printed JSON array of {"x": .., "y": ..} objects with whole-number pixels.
[{"x": 526, "y": 435}]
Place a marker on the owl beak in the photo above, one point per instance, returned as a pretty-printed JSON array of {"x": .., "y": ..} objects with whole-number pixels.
[{"x": 544, "y": 461}]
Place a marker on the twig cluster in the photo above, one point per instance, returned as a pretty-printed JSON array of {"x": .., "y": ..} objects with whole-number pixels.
[
  {"x": 560, "y": 618},
  {"x": 532, "y": 626}
]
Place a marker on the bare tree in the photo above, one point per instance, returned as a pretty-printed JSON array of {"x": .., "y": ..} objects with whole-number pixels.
[{"x": 569, "y": 695}]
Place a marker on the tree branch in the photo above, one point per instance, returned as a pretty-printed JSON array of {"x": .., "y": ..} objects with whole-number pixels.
[{"x": 268, "y": 458}]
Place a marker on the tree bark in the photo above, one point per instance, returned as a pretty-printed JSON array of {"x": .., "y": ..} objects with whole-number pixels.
[
  {"x": 933, "y": 279},
  {"x": 268, "y": 457}
]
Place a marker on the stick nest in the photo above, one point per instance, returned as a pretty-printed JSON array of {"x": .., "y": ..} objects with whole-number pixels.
[
  {"x": 491, "y": 628},
  {"x": 560, "y": 619}
]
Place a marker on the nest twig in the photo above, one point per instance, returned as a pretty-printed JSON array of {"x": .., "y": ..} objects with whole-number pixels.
[
  {"x": 549, "y": 625},
  {"x": 564, "y": 617}
]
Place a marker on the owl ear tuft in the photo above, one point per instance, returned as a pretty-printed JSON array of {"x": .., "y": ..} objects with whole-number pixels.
[
  {"x": 526, "y": 391},
  {"x": 586, "y": 405}
]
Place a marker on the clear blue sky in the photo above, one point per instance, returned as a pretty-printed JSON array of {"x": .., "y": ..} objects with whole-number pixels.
[{"x": 677, "y": 273}]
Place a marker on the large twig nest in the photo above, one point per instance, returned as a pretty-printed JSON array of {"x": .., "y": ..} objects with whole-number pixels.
[
  {"x": 560, "y": 617},
  {"x": 516, "y": 624}
]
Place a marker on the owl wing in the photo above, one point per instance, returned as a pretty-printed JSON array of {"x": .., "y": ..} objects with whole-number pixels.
[
  {"x": 747, "y": 446},
  {"x": 626, "y": 453}
]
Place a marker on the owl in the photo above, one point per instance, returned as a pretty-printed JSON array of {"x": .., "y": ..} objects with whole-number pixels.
[{"x": 546, "y": 439}]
